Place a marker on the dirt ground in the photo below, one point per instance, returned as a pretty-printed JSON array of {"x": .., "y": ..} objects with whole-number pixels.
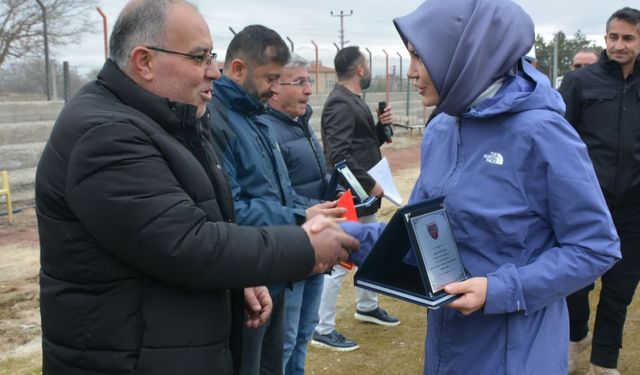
[{"x": 396, "y": 350}]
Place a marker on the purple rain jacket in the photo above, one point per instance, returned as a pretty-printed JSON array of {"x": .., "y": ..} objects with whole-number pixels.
[{"x": 521, "y": 194}]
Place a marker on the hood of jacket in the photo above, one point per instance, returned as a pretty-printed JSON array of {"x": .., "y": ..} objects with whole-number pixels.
[
  {"x": 526, "y": 90},
  {"x": 237, "y": 97},
  {"x": 466, "y": 45}
]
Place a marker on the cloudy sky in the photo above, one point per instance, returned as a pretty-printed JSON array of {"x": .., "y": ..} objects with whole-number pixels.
[{"x": 370, "y": 25}]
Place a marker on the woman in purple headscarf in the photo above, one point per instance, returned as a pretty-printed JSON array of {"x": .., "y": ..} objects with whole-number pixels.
[{"x": 523, "y": 200}]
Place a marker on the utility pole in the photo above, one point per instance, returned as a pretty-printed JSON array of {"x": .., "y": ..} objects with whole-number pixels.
[
  {"x": 46, "y": 48},
  {"x": 342, "y": 15}
]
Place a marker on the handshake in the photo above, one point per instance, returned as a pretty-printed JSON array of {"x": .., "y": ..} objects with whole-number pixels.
[{"x": 330, "y": 243}]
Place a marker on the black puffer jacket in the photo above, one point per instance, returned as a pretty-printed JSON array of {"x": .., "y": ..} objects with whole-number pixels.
[
  {"x": 604, "y": 108},
  {"x": 137, "y": 250}
]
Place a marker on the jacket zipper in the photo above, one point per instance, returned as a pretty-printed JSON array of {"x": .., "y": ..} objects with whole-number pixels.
[
  {"x": 307, "y": 131},
  {"x": 455, "y": 166}
]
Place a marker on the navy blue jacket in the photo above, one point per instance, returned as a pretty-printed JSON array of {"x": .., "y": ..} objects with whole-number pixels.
[
  {"x": 301, "y": 151},
  {"x": 257, "y": 174}
]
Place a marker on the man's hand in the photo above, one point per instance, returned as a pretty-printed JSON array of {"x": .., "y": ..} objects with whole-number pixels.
[
  {"x": 386, "y": 117},
  {"x": 258, "y": 305},
  {"x": 329, "y": 209},
  {"x": 376, "y": 191},
  {"x": 330, "y": 243},
  {"x": 473, "y": 294}
]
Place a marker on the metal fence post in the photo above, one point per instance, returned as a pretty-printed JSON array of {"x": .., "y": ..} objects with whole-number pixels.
[{"x": 65, "y": 80}]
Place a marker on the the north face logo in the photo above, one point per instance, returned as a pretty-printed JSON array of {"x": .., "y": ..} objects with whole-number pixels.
[{"x": 494, "y": 158}]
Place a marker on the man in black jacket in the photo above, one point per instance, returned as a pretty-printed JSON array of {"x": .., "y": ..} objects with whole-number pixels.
[
  {"x": 603, "y": 104},
  {"x": 142, "y": 269},
  {"x": 350, "y": 134}
]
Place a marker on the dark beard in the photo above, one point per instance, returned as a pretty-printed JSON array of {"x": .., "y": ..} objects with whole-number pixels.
[
  {"x": 365, "y": 82},
  {"x": 252, "y": 90}
]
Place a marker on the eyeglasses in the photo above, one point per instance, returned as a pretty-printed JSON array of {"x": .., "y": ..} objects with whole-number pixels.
[
  {"x": 206, "y": 58},
  {"x": 299, "y": 82}
]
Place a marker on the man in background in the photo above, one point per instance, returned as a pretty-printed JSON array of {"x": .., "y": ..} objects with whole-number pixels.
[
  {"x": 582, "y": 58},
  {"x": 350, "y": 134},
  {"x": 288, "y": 117},
  {"x": 603, "y": 105},
  {"x": 259, "y": 180}
]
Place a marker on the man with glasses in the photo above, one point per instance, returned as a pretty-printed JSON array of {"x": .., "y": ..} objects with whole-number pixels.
[
  {"x": 142, "y": 270},
  {"x": 257, "y": 173},
  {"x": 603, "y": 105},
  {"x": 288, "y": 116}
]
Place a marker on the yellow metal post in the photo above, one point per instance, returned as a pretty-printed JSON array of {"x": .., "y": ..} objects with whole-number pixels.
[{"x": 6, "y": 191}]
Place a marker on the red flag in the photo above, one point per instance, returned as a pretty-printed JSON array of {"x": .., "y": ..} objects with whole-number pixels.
[{"x": 346, "y": 201}]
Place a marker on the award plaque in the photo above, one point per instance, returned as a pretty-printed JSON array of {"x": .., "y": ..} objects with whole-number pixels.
[{"x": 415, "y": 257}]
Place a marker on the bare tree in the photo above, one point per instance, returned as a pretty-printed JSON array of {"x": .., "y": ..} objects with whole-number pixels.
[
  {"x": 27, "y": 79},
  {"x": 21, "y": 25}
]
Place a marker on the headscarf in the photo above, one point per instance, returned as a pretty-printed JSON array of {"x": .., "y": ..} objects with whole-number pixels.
[{"x": 466, "y": 45}]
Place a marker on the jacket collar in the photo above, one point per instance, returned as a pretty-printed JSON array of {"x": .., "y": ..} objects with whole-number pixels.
[
  {"x": 614, "y": 66},
  {"x": 168, "y": 114},
  {"x": 237, "y": 97},
  {"x": 343, "y": 88},
  {"x": 301, "y": 121}
]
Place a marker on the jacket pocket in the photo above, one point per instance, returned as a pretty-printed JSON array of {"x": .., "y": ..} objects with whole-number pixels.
[
  {"x": 599, "y": 94},
  {"x": 599, "y": 111}
]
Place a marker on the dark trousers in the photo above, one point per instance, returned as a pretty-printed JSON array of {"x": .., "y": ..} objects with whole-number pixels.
[
  {"x": 262, "y": 347},
  {"x": 618, "y": 286}
]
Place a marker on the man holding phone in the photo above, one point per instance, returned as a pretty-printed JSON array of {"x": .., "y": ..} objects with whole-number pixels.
[{"x": 349, "y": 133}]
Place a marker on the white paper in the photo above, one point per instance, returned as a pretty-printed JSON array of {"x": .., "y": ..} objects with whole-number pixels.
[{"x": 382, "y": 174}]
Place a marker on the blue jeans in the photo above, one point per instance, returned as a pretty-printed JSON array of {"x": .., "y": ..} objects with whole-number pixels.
[{"x": 301, "y": 317}]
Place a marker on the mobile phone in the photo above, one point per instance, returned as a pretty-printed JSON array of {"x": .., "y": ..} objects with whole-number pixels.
[{"x": 388, "y": 130}]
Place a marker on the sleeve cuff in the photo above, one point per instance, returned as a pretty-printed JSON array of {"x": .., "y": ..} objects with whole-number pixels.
[{"x": 504, "y": 292}]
